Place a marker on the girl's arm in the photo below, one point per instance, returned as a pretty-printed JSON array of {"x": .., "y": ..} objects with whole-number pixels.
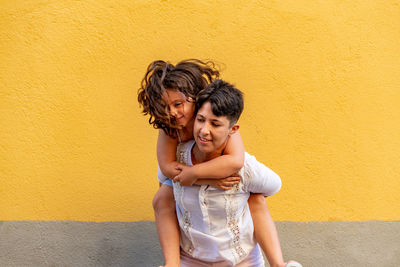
[
  {"x": 166, "y": 154},
  {"x": 230, "y": 162}
]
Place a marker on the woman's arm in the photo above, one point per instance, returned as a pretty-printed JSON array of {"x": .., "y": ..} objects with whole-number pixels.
[
  {"x": 227, "y": 164},
  {"x": 166, "y": 154}
]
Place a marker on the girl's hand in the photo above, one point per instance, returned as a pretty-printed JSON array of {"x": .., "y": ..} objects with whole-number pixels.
[
  {"x": 227, "y": 183},
  {"x": 223, "y": 183},
  {"x": 186, "y": 177}
]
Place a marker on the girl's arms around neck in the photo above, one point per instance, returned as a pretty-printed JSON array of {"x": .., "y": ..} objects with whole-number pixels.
[{"x": 229, "y": 163}]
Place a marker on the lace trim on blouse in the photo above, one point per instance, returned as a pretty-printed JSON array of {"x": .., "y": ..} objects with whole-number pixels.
[
  {"x": 186, "y": 222},
  {"x": 231, "y": 210}
]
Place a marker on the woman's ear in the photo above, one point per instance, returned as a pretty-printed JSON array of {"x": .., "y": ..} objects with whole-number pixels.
[{"x": 234, "y": 129}]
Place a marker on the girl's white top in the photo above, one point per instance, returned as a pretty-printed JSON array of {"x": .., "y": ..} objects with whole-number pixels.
[{"x": 216, "y": 224}]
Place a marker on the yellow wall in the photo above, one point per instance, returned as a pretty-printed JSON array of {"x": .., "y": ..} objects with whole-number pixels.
[{"x": 322, "y": 85}]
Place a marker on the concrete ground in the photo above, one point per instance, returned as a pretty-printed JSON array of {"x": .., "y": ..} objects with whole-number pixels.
[{"x": 67, "y": 243}]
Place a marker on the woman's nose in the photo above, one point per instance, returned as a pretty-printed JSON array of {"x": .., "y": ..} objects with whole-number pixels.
[{"x": 205, "y": 129}]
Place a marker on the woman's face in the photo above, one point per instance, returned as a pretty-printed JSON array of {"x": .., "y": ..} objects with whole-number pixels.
[
  {"x": 211, "y": 132},
  {"x": 180, "y": 108}
]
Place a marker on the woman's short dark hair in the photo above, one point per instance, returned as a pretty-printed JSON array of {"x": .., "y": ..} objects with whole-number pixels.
[
  {"x": 189, "y": 77},
  {"x": 225, "y": 99}
]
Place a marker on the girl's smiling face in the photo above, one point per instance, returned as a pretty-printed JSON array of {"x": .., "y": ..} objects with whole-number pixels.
[{"x": 180, "y": 107}]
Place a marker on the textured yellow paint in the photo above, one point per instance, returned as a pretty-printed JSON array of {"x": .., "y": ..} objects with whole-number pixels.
[{"x": 321, "y": 79}]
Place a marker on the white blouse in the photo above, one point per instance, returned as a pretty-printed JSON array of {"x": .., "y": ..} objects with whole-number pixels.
[{"x": 216, "y": 224}]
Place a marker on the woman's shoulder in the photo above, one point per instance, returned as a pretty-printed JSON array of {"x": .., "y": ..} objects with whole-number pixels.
[{"x": 251, "y": 167}]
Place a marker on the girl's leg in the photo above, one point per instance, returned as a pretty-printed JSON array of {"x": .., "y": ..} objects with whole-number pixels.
[
  {"x": 167, "y": 224},
  {"x": 265, "y": 230}
]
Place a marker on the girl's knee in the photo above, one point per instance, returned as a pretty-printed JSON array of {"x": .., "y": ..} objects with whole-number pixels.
[
  {"x": 164, "y": 199},
  {"x": 257, "y": 198},
  {"x": 257, "y": 202}
]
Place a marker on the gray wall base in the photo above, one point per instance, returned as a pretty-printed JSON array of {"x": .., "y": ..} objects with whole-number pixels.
[{"x": 68, "y": 243}]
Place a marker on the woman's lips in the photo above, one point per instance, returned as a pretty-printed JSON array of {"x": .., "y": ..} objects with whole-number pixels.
[{"x": 203, "y": 140}]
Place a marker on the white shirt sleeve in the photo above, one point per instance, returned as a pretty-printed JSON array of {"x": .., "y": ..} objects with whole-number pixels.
[{"x": 258, "y": 178}]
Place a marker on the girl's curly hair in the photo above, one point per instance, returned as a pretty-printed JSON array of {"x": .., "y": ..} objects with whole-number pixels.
[{"x": 189, "y": 77}]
